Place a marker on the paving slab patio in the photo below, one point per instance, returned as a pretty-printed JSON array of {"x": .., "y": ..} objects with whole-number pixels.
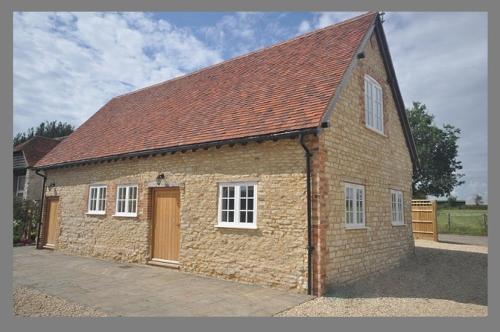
[{"x": 120, "y": 289}]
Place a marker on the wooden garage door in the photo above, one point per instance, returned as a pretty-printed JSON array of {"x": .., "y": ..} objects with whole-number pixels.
[
  {"x": 166, "y": 224},
  {"x": 52, "y": 223}
]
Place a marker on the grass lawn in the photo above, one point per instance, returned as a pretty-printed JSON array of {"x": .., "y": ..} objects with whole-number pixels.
[{"x": 466, "y": 222}]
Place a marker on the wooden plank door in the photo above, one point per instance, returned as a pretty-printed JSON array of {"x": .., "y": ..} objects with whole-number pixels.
[
  {"x": 166, "y": 224},
  {"x": 52, "y": 222}
]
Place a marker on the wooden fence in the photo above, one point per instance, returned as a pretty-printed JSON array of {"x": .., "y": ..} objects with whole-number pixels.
[{"x": 424, "y": 219}]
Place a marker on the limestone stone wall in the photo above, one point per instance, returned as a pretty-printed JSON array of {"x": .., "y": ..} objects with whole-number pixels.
[
  {"x": 350, "y": 152},
  {"x": 274, "y": 254}
]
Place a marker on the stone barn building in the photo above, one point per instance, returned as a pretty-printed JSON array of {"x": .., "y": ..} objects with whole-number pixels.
[{"x": 290, "y": 166}]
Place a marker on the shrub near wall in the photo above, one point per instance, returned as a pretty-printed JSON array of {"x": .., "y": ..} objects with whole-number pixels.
[{"x": 25, "y": 217}]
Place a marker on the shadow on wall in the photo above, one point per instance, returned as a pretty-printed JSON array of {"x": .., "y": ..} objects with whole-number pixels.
[{"x": 433, "y": 273}]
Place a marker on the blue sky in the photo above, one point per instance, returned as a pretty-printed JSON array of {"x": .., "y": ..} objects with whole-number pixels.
[{"x": 67, "y": 65}]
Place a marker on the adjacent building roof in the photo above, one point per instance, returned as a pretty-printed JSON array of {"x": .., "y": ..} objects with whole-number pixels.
[
  {"x": 34, "y": 149},
  {"x": 283, "y": 88}
]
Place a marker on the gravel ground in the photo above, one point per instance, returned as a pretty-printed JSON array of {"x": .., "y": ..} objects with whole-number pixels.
[
  {"x": 31, "y": 302},
  {"x": 464, "y": 239},
  {"x": 442, "y": 279},
  {"x": 452, "y": 246},
  {"x": 384, "y": 307}
]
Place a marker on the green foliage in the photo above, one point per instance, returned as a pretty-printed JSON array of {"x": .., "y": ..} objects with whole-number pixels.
[
  {"x": 26, "y": 216},
  {"x": 49, "y": 129},
  {"x": 473, "y": 207},
  {"x": 478, "y": 199},
  {"x": 452, "y": 201},
  {"x": 437, "y": 150},
  {"x": 459, "y": 206},
  {"x": 463, "y": 221}
]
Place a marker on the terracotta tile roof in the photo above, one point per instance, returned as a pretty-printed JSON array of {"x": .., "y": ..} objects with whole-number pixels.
[
  {"x": 35, "y": 148},
  {"x": 281, "y": 88}
]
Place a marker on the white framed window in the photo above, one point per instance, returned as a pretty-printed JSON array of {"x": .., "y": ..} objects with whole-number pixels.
[
  {"x": 237, "y": 205},
  {"x": 397, "y": 207},
  {"x": 126, "y": 201},
  {"x": 21, "y": 180},
  {"x": 97, "y": 199},
  {"x": 374, "y": 111},
  {"x": 354, "y": 205}
]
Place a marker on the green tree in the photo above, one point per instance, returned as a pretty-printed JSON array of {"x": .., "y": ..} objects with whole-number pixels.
[
  {"x": 452, "y": 201},
  {"x": 50, "y": 129},
  {"x": 437, "y": 150},
  {"x": 478, "y": 199}
]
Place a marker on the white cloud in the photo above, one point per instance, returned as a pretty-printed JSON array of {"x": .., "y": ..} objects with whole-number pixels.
[
  {"x": 243, "y": 32},
  {"x": 305, "y": 26},
  {"x": 233, "y": 34},
  {"x": 441, "y": 60},
  {"x": 67, "y": 65},
  {"x": 323, "y": 19},
  {"x": 328, "y": 18}
]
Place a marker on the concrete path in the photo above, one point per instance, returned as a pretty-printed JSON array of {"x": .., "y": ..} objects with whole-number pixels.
[
  {"x": 464, "y": 239},
  {"x": 141, "y": 290}
]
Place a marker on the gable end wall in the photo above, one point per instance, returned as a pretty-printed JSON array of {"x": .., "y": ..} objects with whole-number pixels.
[{"x": 350, "y": 152}]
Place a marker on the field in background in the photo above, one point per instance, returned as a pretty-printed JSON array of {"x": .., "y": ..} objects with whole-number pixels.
[{"x": 463, "y": 221}]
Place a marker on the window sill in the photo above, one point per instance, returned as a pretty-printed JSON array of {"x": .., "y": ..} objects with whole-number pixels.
[
  {"x": 95, "y": 213},
  {"x": 125, "y": 215},
  {"x": 398, "y": 225},
  {"x": 356, "y": 227},
  {"x": 236, "y": 226},
  {"x": 381, "y": 133}
]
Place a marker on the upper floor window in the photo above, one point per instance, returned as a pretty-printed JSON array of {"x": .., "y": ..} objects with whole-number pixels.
[
  {"x": 97, "y": 200},
  {"x": 126, "y": 201},
  {"x": 21, "y": 179},
  {"x": 397, "y": 207},
  {"x": 237, "y": 205},
  {"x": 374, "y": 113}
]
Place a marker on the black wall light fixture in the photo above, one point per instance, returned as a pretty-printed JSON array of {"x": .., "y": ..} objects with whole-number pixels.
[
  {"x": 51, "y": 185},
  {"x": 159, "y": 178}
]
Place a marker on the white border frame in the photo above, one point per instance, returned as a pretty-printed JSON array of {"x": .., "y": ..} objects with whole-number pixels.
[
  {"x": 127, "y": 198},
  {"x": 355, "y": 225},
  {"x": 97, "y": 212},
  {"x": 374, "y": 127},
  {"x": 236, "y": 223},
  {"x": 402, "y": 221}
]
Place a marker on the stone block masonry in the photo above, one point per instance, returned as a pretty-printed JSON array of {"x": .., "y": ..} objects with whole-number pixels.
[{"x": 274, "y": 254}]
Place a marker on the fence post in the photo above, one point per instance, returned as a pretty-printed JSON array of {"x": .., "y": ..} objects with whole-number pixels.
[
  {"x": 434, "y": 221},
  {"x": 449, "y": 222},
  {"x": 485, "y": 222}
]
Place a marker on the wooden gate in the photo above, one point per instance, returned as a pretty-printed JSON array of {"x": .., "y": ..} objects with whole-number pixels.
[{"x": 424, "y": 219}]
